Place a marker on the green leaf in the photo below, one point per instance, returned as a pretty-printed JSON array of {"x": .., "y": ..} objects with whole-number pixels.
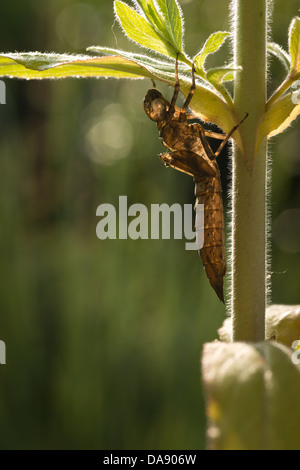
[
  {"x": 279, "y": 116},
  {"x": 221, "y": 74},
  {"x": 34, "y": 65},
  {"x": 145, "y": 60},
  {"x": 173, "y": 20},
  {"x": 151, "y": 13},
  {"x": 163, "y": 69},
  {"x": 139, "y": 30},
  {"x": 213, "y": 43},
  {"x": 280, "y": 53},
  {"x": 294, "y": 43},
  {"x": 252, "y": 395},
  {"x": 165, "y": 17},
  {"x": 217, "y": 76}
]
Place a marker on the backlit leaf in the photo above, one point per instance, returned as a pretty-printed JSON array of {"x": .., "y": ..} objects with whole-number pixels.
[
  {"x": 213, "y": 43},
  {"x": 279, "y": 116},
  {"x": 221, "y": 74},
  {"x": 280, "y": 53},
  {"x": 173, "y": 20},
  {"x": 294, "y": 43},
  {"x": 33, "y": 65},
  {"x": 139, "y": 30}
]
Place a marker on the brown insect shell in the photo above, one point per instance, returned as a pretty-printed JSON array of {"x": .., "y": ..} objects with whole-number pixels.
[
  {"x": 180, "y": 137},
  {"x": 156, "y": 106}
]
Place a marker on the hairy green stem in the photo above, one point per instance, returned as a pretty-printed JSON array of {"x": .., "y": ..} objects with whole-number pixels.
[{"x": 249, "y": 285}]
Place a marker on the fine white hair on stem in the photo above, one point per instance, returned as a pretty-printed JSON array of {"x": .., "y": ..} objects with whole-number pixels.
[
  {"x": 233, "y": 18},
  {"x": 228, "y": 245},
  {"x": 268, "y": 227},
  {"x": 249, "y": 193}
]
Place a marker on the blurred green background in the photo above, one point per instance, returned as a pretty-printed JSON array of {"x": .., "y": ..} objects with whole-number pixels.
[{"x": 104, "y": 337}]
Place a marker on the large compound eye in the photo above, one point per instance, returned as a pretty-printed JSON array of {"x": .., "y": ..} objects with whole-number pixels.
[{"x": 158, "y": 110}]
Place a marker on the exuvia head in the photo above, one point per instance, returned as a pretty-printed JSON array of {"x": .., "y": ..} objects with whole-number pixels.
[{"x": 155, "y": 105}]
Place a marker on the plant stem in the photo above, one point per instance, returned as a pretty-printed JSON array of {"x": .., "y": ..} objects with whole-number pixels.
[{"x": 249, "y": 285}]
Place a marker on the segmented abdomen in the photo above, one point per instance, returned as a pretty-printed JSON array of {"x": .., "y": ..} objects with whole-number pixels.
[{"x": 208, "y": 191}]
